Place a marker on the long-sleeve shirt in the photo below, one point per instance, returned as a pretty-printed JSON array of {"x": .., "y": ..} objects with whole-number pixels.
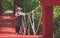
[{"x": 18, "y": 14}]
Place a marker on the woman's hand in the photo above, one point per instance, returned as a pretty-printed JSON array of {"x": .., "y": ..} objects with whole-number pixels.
[{"x": 18, "y": 15}]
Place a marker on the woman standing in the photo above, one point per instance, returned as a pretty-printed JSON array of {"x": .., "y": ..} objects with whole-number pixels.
[{"x": 18, "y": 19}]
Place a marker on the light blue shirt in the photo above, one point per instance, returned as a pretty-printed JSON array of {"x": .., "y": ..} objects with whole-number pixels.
[{"x": 20, "y": 13}]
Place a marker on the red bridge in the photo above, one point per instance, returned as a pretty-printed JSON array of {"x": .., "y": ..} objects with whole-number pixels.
[{"x": 47, "y": 21}]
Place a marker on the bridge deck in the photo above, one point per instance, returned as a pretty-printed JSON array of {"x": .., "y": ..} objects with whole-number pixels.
[
  {"x": 9, "y": 32},
  {"x": 19, "y": 36}
]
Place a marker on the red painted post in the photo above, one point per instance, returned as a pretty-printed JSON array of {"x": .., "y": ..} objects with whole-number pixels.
[
  {"x": 15, "y": 5},
  {"x": 47, "y": 21},
  {"x": 0, "y": 7},
  {"x": 47, "y": 18}
]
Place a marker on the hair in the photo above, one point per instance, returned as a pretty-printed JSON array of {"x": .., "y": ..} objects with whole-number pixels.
[{"x": 18, "y": 9}]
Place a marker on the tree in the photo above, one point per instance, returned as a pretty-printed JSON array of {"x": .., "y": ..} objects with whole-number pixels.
[{"x": 57, "y": 21}]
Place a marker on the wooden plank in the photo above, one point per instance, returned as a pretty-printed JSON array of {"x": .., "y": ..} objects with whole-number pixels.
[
  {"x": 50, "y": 2},
  {"x": 19, "y": 36},
  {"x": 56, "y": 2}
]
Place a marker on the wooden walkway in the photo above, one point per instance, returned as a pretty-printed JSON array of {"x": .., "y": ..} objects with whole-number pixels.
[{"x": 10, "y": 33}]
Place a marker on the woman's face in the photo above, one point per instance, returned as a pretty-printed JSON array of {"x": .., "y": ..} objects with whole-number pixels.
[{"x": 18, "y": 10}]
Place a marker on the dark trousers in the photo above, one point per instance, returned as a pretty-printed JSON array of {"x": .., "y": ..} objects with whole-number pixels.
[{"x": 17, "y": 29}]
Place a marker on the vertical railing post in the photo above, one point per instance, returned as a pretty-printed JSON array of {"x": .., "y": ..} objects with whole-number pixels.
[
  {"x": 47, "y": 21},
  {"x": 47, "y": 18},
  {"x": 0, "y": 7},
  {"x": 15, "y": 5}
]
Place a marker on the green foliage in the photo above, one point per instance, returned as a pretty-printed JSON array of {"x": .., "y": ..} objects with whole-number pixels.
[
  {"x": 7, "y": 5},
  {"x": 28, "y": 5},
  {"x": 36, "y": 19},
  {"x": 57, "y": 21}
]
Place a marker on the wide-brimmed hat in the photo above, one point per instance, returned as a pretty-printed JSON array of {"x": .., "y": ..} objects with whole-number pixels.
[{"x": 19, "y": 8}]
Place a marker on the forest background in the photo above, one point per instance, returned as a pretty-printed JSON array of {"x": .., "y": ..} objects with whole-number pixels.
[{"x": 29, "y": 5}]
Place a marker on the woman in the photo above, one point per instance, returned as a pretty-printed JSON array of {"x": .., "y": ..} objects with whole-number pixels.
[{"x": 18, "y": 19}]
